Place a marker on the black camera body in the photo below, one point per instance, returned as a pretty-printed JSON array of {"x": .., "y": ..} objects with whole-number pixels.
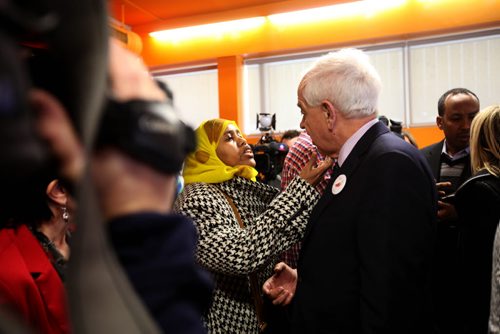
[
  {"x": 65, "y": 54},
  {"x": 148, "y": 131},
  {"x": 269, "y": 156},
  {"x": 396, "y": 127}
]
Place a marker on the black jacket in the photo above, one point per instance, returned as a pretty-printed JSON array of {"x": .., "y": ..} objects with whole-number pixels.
[
  {"x": 446, "y": 295},
  {"x": 478, "y": 206},
  {"x": 157, "y": 252},
  {"x": 366, "y": 257},
  {"x": 432, "y": 154}
]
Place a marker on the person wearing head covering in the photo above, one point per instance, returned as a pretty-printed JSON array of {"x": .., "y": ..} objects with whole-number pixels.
[{"x": 243, "y": 225}]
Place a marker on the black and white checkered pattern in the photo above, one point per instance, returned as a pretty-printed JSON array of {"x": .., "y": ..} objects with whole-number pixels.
[{"x": 273, "y": 223}]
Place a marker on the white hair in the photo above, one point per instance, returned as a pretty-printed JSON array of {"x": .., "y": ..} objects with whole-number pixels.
[{"x": 347, "y": 79}]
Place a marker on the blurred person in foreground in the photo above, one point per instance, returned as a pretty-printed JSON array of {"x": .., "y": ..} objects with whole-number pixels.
[
  {"x": 155, "y": 247},
  {"x": 34, "y": 252},
  {"x": 243, "y": 225},
  {"x": 477, "y": 202},
  {"x": 35, "y": 207},
  {"x": 365, "y": 261}
]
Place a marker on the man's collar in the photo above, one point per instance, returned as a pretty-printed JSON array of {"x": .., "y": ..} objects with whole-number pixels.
[
  {"x": 458, "y": 155},
  {"x": 346, "y": 149}
]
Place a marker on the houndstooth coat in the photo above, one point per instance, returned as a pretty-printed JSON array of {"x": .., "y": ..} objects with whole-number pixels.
[{"x": 272, "y": 224}]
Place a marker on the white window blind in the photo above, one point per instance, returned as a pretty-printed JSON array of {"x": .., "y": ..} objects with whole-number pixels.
[
  {"x": 435, "y": 68},
  {"x": 389, "y": 65},
  {"x": 251, "y": 98},
  {"x": 196, "y": 95},
  {"x": 276, "y": 84}
]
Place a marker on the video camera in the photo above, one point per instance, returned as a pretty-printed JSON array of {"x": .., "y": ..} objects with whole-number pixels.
[
  {"x": 269, "y": 154},
  {"x": 269, "y": 158},
  {"x": 395, "y": 126}
]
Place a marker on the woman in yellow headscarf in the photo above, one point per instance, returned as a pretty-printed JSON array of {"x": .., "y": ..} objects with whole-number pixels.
[
  {"x": 204, "y": 165},
  {"x": 243, "y": 225}
]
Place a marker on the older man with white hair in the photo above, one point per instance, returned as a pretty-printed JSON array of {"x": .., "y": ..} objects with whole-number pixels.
[{"x": 366, "y": 256}]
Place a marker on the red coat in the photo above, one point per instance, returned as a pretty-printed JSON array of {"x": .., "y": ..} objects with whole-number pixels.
[{"x": 29, "y": 284}]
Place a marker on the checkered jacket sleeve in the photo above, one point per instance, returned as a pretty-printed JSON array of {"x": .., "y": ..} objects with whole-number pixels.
[{"x": 271, "y": 224}]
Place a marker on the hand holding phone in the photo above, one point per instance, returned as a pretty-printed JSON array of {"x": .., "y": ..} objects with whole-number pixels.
[{"x": 449, "y": 198}]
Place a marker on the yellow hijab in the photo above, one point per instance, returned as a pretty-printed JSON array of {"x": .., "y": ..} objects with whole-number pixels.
[{"x": 204, "y": 165}]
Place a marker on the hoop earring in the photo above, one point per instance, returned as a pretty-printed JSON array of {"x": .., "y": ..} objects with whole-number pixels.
[{"x": 65, "y": 214}]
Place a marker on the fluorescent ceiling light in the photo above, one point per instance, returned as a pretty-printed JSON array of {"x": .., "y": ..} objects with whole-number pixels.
[
  {"x": 365, "y": 7},
  {"x": 209, "y": 30}
]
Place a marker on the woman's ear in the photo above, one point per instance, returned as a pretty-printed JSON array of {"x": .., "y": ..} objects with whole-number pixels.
[{"x": 57, "y": 193}]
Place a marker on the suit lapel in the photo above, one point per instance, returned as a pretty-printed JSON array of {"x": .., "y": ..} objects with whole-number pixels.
[
  {"x": 32, "y": 252},
  {"x": 435, "y": 163},
  {"x": 435, "y": 159},
  {"x": 348, "y": 168}
]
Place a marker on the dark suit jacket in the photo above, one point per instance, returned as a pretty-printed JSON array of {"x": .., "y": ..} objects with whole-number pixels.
[
  {"x": 366, "y": 257},
  {"x": 432, "y": 154},
  {"x": 478, "y": 205},
  {"x": 446, "y": 287},
  {"x": 29, "y": 284}
]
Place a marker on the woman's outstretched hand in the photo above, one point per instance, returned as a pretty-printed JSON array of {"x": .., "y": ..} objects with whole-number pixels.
[{"x": 313, "y": 173}]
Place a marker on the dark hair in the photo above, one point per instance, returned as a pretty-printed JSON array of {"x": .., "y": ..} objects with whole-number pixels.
[
  {"x": 452, "y": 92},
  {"x": 26, "y": 204},
  {"x": 289, "y": 134}
]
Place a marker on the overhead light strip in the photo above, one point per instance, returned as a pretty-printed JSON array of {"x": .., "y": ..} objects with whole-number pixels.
[
  {"x": 209, "y": 30},
  {"x": 365, "y": 8},
  {"x": 218, "y": 30}
]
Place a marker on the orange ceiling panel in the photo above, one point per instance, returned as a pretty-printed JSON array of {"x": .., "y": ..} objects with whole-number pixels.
[
  {"x": 170, "y": 13},
  {"x": 139, "y": 12}
]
